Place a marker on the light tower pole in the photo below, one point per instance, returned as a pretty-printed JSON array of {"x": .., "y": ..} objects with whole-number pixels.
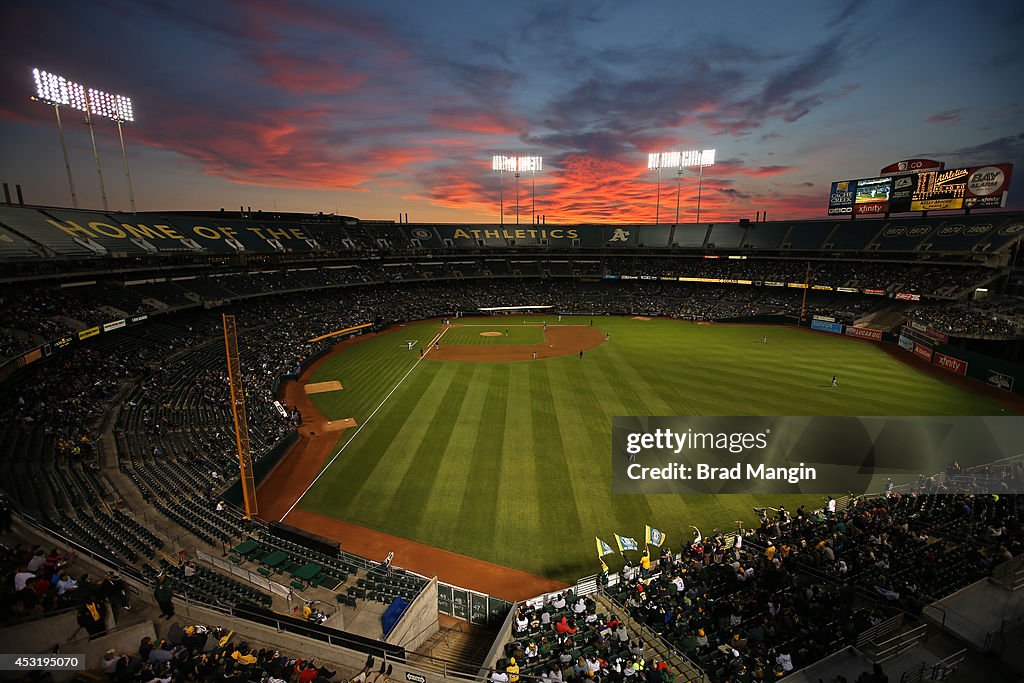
[
  {"x": 67, "y": 162},
  {"x": 679, "y": 187},
  {"x": 705, "y": 158},
  {"x": 533, "y": 192},
  {"x": 517, "y": 197},
  {"x": 95, "y": 153},
  {"x": 127, "y": 173}
]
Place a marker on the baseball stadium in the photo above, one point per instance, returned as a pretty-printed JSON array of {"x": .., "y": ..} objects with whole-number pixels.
[{"x": 304, "y": 445}]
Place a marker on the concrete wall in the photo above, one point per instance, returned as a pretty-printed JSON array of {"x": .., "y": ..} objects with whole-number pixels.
[
  {"x": 419, "y": 621},
  {"x": 39, "y": 636}
]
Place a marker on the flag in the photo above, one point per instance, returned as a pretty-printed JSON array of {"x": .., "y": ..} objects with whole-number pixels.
[
  {"x": 626, "y": 543},
  {"x": 655, "y": 537},
  {"x": 603, "y": 548}
]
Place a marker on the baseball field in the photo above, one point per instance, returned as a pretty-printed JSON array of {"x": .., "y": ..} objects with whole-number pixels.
[{"x": 478, "y": 448}]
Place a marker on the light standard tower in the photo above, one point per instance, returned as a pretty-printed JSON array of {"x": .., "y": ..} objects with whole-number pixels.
[
  {"x": 657, "y": 161},
  {"x": 516, "y": 165},
  {"x": 705, "y": 158},
  {"x": 57, "y": 91},
  {"x": 679, "y": 187},
  {"x": 498, "y": 164}
]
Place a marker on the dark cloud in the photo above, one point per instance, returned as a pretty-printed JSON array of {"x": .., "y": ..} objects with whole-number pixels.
[{"x": 948, "y": 116}]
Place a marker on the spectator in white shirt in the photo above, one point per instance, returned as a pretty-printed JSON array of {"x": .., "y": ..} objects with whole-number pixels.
[{"x": 22, "y": 578}]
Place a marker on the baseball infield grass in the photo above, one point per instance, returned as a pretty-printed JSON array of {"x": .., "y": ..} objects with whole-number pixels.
[
  {"x": 482, "y": 333},
  {"x": 510, "y": 461}
]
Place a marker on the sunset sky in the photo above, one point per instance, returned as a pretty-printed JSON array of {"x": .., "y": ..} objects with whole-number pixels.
[{"x": 375, "y": 108}]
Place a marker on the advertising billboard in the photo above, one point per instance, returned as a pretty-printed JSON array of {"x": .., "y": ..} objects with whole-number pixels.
[
  {"x": 864, "y": 333},
  {"x": 912, "y": 166},
  {"x": 950, "y": 363},
  {"x": 974, "y": 187},
  {"x": 922, "y": 351},
  {"x": 825, "y": 326},
  {"x": 840, "y": 200},
  {"x": 1000, "y": 379}
]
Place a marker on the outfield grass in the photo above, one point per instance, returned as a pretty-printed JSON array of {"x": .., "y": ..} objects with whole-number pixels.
[{"x": 510, "y": 462}]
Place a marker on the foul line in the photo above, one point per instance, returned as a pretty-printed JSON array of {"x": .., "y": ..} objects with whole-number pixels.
[{"x": 430, "y": 346}]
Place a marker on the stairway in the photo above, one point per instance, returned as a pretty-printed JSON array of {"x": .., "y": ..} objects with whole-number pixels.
[
  {"x": 656, "y": 648},
  {"x": 457, "y": 647}
]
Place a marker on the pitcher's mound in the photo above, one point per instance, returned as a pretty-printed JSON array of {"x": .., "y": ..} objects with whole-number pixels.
[
  {"x": 320, "y": 387},
  {"x": 490, "y": 334},
  {"x": 640, "y": 317},
  {"x": 338, "y": 425}
]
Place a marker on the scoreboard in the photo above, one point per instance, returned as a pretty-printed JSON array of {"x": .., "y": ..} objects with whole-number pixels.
[{"x": 976, "y": 187}]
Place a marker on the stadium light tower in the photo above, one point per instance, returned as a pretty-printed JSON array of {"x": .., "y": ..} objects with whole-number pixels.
[
  {"x": 516, "y": 165},
  {"x": 705, "y": 158},
  {"x": 58, "y": 91},
  {"x": 658, "y": 161},
  {"x": 679, "y": 161}
]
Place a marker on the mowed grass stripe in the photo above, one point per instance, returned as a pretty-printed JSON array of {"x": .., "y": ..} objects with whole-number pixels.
[
  {"x": 585, "y": 408},
  {"x": 453, "y": 476},
  {"x": 520, "y": 515},
  {"x": 556, "y": 511},
  {"x": 423, "y": 463},
  {"x": 581, "y": 410},
  {"x": 477, "y": 520},
  {"x": 414, "y": 410}
]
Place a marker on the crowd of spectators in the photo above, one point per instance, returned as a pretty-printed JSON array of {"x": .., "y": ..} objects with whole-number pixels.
[
  {"x": 37, "y": 581},
  {"x": 33, "y": 314},
  {"x": 1000, "y": 317},
  {"x": 200, "y": 653},
  {"x": 804, "y": 584},
  {"x": 569, "y": 638}
]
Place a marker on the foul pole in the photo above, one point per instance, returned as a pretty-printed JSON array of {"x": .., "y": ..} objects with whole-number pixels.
[{"x": 238, "y": 411}]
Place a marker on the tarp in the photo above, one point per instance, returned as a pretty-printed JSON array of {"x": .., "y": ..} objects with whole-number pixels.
[{"x": 393, "y": 614}]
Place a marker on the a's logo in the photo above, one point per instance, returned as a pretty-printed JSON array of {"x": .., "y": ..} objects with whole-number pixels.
[
  {"x": 893, "y": 232},
  {"x": 979, "y": 229},
  {"x": 619, "y": 235},
  {"x": 919, "y": 230},
  {"x": 985, "y": 181},
  {"x": 415, "y": 678},
  {"x": 951, "y": 230},
  {"x": 1014, "y": 229},
  {"x": 421, "y": 234}
]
